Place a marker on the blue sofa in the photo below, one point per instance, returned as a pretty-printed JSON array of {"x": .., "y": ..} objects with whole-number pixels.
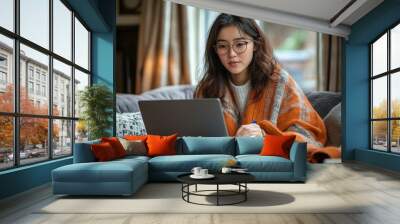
[{"x": 125, "y": 176}]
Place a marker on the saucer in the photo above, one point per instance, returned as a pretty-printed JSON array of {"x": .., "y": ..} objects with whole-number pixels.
[{"x": 208, "y": 176}]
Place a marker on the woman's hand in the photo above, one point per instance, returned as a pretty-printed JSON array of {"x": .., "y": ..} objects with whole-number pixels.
[{"x": 251, "y": 130}]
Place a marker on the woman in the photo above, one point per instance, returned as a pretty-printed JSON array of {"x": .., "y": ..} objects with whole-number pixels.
[{"x": 257, "y": 95}]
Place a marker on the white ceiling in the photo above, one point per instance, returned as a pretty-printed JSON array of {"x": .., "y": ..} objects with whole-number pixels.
[
  {"x": 315, "y": 15},
  {"x": 319, "y": 9}
]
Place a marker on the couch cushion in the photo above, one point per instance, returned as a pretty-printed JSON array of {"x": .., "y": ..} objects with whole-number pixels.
[
  {"x": 249, "y": 145},
  {"x": 207, "y": 145},
  {"x": 83, "y": 152},
  {"x": 129, "y": 102},
  {"x": 112, "y": 171},
  {"x": 130, "y": 124},
  {"x": 333, "y": 126},
  {"x": 257, "y": 163},
  {"x": 184, "y": 163}
]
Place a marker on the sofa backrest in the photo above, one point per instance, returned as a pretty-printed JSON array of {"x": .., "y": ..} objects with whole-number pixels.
[
  {"x": 206, "y": 145},
  {"x": 83, "y": 152},
  {"x": 249, "y": 145}
]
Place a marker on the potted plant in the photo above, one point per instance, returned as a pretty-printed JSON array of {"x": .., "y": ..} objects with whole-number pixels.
[{"x": 96, "y": 103}]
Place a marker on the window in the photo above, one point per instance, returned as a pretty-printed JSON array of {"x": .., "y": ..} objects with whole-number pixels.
[
  {"x": 54, "y": 125},
  {"x": 30, "y": 72},
  {"x": 81, "y": 45},
  {"x": 7, "y": 14},
  {"x": 38, "y": 89},
  {"x": 3, "y": 78},
  {"x": 30, "y": 87},
  {"x": 385, "y": 94},
  {"x": 43, "y": 90},
  {"x": 3, "y": 61}
]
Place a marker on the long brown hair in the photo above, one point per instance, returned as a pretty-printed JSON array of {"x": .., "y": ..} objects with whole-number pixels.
[{"x": 216, "y": 76}]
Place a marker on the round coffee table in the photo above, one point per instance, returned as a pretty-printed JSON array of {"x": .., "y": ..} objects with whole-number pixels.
[{"x": 238, "y": 179}]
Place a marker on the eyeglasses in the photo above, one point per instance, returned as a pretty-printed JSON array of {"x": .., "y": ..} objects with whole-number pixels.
[{"x": 238, "y": 46}]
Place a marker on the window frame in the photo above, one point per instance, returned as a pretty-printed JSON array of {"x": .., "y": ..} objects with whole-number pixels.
[
  {"x": 16, "y": 115},
  {"x": 388, "y": 74}
]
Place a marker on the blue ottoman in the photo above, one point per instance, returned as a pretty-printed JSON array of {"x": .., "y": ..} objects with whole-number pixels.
[{"x": 118, "y": 177}]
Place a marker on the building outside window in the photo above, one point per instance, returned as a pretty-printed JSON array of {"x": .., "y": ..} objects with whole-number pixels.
[{"x": 57, "y": 135}]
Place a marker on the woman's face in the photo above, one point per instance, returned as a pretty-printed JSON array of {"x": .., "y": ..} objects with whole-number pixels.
[{"x": 235, "y": 50}]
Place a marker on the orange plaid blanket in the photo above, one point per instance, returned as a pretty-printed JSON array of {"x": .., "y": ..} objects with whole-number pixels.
[{"x": 283, "y": 109}]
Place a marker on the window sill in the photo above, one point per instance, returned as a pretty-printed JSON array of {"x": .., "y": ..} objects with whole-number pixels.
[{"x": 26, "y": 167}]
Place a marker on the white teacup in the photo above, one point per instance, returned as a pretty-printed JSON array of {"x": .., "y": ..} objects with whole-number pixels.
[
  {"x": 226, "y": 170},
  {"x": 196, "y": 170},
  {"x": 203, "y": 172}
]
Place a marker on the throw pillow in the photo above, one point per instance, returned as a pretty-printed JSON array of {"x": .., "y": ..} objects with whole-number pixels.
[
  {"x": 130, "y": 124},
  {"x": 116, "y": 145},
  {"x": 103, "y": 151},
  {"x": 161, "y": 145},
  {"x": 333, "y": 126},
  {"x": 277, "y": 145},
  {"x": 135, "y": 147},
  {"x": 136, "y": 137}
]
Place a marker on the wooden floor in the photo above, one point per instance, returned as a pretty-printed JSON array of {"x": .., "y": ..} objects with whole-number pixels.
[{"x": 377, "y": 188}]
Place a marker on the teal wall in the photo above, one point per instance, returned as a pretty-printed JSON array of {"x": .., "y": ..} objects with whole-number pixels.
[
  {"x": 99, "y": 15},
  {"x": 356, "y": 86}
]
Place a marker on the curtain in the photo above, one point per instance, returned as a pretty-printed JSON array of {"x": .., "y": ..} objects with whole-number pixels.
[
  {"x": 163, "y": 48},
  {"x": 330, "y": 63}
]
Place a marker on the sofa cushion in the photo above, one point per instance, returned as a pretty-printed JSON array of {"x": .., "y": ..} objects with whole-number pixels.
[
  {"x": 83, "y": 152},
  {"x": 333, "y": 126},
  {"x": 103, "y": 152},
  {"x": 277, "y": 145},
  {"x": 116, "y": 145},
  {"x": 134, "y": 147},
  {"x": 249, "y": 145},
  {"x": 161, "y": 145},
  {"x": 112, "y": 171},
  {"x": 207, "y": 145},
  {"x": 130, "y": 124},
  {"x": 257, "y": 163},
  {"x": 185, "y": 163}
]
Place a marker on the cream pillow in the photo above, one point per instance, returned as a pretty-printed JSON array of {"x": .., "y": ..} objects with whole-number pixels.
[{"x": 134, "y": 147}]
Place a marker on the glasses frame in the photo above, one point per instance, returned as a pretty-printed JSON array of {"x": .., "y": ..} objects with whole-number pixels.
[{"x": 231, "y": 46}]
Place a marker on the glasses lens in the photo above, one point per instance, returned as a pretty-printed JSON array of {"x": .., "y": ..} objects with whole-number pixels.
[
  {"x": 222, "y": 48},
  {"x": 240, "y": 46}
]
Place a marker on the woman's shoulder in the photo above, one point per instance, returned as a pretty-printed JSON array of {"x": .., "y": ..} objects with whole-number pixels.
[{"x": 288, "y": 82}]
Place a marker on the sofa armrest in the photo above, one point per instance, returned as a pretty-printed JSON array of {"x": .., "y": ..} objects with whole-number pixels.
[
  {"x": 83, "y": 152},
  {"x": 298, "y": 155}
]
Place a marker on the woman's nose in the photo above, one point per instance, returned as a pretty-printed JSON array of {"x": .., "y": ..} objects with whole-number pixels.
[{"x": 231, "y": 52}]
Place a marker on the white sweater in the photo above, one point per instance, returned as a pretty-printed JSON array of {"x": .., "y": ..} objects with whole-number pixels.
[{"x": 241, "y": 94}]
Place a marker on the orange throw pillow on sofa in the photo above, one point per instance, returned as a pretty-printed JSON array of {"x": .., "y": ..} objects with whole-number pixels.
[
  {"x": 136, "y": 137},
  {"x": 161, "y": 145},
  {"x": 116, "y": 145},
  {"x": 277, "y": 145},
  {"x": 103, "y": 151}
]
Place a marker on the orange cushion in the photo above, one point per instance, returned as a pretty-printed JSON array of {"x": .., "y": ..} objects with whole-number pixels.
[
  {"x": 103, "y": 151},
  {"x": 161, "y": 145},
  {"x": 116, "y": 145},
  {"x": 135, "y": 137},
  {"x": 277, "y": 145}
]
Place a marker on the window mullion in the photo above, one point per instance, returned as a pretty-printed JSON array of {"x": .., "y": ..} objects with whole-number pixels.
[
  {"x": 389, "y": 93},
  {"x": 50, "y": 81},
  {"x": 73, "y": 83}
]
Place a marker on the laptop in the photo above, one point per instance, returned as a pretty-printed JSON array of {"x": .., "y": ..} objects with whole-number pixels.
[{"x": 192, "y": 117}]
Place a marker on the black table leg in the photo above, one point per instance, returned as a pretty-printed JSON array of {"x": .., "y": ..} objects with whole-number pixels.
[
  {"x": 245, "y": 193},
  {"x": 217, "y": 194}
]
